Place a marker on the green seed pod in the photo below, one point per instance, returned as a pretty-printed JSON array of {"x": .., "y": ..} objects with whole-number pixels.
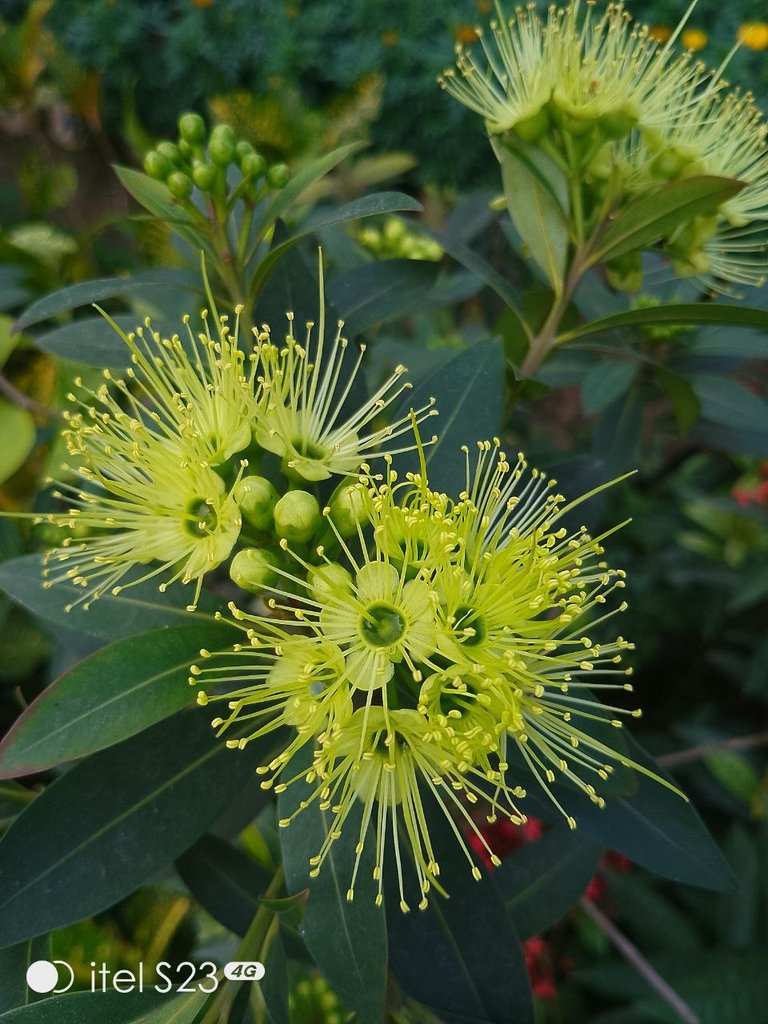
[
  {"x": 278, "y": 176},
  {"x": 328, "y": 578},
  {"x": 157, "y": 166},
  {"x": 221, "y": 147},
  {"x": 257, "y": 499},
  {"x": 204, "y": 176},
  {"x": 179, "y": 185},
  {"x": 254, "y": 570},
  {"x": 253, "y": 165},
  {"x": 192, "y": 128},
  {"x": 297, "y": 516},
  {"x": 170, "y": 151},
  {"x": 348, "y": 508}
]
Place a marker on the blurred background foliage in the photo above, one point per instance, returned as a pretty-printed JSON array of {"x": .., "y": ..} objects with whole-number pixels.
[{"x": 85, "y": 83}]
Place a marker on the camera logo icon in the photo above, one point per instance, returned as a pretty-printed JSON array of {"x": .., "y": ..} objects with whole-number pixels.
[{"x": 44, "y": 976}]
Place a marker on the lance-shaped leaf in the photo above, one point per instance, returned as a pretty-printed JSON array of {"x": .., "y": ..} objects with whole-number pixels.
[
  {"x": 378, "y": 291},
  {"x": 109, "y": 1007},
  {"x": 656, "y": 215},
  {"x": 680, "y": 313},
  {"x": 108, "y": 697},
  {"x": 347, "y": 938},
  {"x": 134, "y": 610},
  {"x": 115, "y": 819},
  {"x": 14, "y": 962}
]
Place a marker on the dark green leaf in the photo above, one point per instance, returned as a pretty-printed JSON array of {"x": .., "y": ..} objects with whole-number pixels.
[
  {"x": 655, "y": 215},
  {"x": 90, "y": 341},
  {"x": 682, "y": 313},
  {"x": 605, "y": 382},
  {"x": 86, "y": 292},
  {"x": 13, "y": 799},
  {"x": 134, "y": 610},
  {"x": 618, "y": 433},
  {"x": 347, "y": 938},
  {"x": 368, "y": 206},
  {"x": 223, "y": 880},
  {"x": 275, "y": 984},
  {"x": 681, "y": 395},
  {"x": 109, "y": 1008},
  {"x": 14, "y": 962},
  {"x": 113, "y": 694},
  {"x": 469, "y": 390},
  {"x": 381, "y": 290},
  {"x": 728, "y": 402},
  {"x": 115, "y": 819},
  {"x": 542, "y": 880},
  {"x": 460, "y": 956}
]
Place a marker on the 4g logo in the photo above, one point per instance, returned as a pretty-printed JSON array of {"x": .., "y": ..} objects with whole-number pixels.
[{"x": 243, "y": 970}]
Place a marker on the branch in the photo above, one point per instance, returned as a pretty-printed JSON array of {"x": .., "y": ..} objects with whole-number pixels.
[
  {"x": 631, "y": 953},
  {"x": 25, "y": 402},
  {"x": 755, "y": 739}
]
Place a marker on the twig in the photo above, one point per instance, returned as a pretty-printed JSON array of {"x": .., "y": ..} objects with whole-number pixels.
[
  {"x": 638, "y": 961},
  {"x": 756, "y": 739},
  {"x": 25, "y": 402}
]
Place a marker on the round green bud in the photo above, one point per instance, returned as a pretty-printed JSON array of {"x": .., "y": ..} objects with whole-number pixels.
[
  {"x": 170, "y": 151},
  {"x": 243, "y": 148},
  {"x": 186, "y": 150},
  {"x": 221, "y": 146},
  {"x": 253, "y": 165},
  {"x": 278, "y": 176},
  {"x": 157, "y": 166},
  {"x": 179, "y": 185},
  {"x": 204, "y": 176},
  {"x": 620, "y": 122},
  {"x": 257, "y": 499},
  {"x": 192, "y": 128},
  {"x": 254, "y": 570},
  {"x": 348, "y": 508},
  {"x": 297, "y": 516},
  {"x": 325, "y": 579}
]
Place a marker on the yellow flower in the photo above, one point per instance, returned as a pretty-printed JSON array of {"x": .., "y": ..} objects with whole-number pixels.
[
  {"x": 694, "y": 39},
  {"x": 754, "y": 35}
]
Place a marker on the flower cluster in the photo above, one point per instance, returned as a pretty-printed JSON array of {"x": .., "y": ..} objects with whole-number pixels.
[
  {"x": 440, "y": 657},
  {"x": 619, "y": 113}
]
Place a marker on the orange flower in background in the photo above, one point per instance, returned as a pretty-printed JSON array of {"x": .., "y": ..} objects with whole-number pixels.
[
  {"x": 202, "y": 4},
  {"x": 466, "y": 35},
  {"x": 694, "y": 39},
  {"x": 754, "y": 35},
  {"x": 389, "y": 38},
  {"x": 660, "y": 33}
]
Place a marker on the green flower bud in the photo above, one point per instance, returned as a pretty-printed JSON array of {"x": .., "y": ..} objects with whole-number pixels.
[
  {"x": 179, "y": 185},
  {"x": 348, "y": 509},
  {"x": 254, "y": 570},
  {"x": 253, "y": 165},
  {"x": 192, "y": 128},
  {"x": 530, "y": 129},
  {"x": 327, "y": 579},
  {"x": 170, "y": 151},
  {"x": 297, "y": 516},
  {"x": 221, "y": 147},
  {"x": 204, "y": 176},
  {"x": 157, "y": 166},
  {"x": 625, "y": 274},
  {"x": 257, "y": 499},
  {"x": 278, "y": 176},
  {"x": 243, "y": 148}
]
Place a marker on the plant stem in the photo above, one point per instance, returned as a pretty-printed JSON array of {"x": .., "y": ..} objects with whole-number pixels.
[
  {"x": 755, "y": 739},
  {"x": 25, "y": 402},
  {"x": 631, "y": 953}
]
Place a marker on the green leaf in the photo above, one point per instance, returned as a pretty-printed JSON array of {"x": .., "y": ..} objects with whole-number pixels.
[
  {"x": 460, "y": 956},
  {"x": 134, "y": 610},
  {"x": 109, "y": 1007},
  {"x": 653, "y": 826},
  {"x": 618, "y": 433},
  {"x": 275, "y": 983},
  {"x": 681, "y": 395},
  {"x": 225, "y": 881},
  {"x": 469, "y": 390},
  {"x": 14, "y": 962},
  {"x": 98, "y": 290},
  {"x": 91, "y": 341},
  {"x": 728, "y": 402},
  {"x": 18, "y": 431},
  {"x": 8, "y": 340},
  {"x": 13, "y": 799},
  {"x": 368, "y": 206},
  {"x": 537, "y": 199},
  {"x": 113, "y": 820},
  {"x": 542, "y": 880},
  {"x": 113, "y": 694},
  {"x": 682, "y": 313},
  {"x": 378, "y": 291},
  {"x": 346, "y": 938},
  {"x": 655, "y": 215},
  {"x": 605, "y": 382}
]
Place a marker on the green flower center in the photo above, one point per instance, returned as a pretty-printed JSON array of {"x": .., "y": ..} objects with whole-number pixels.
[
  {"x": 306, "y": 448},
  {"x": 382, "y": 625},
  {"x": 200, "y": 519},
  {"x": 468, "y": 619}
]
